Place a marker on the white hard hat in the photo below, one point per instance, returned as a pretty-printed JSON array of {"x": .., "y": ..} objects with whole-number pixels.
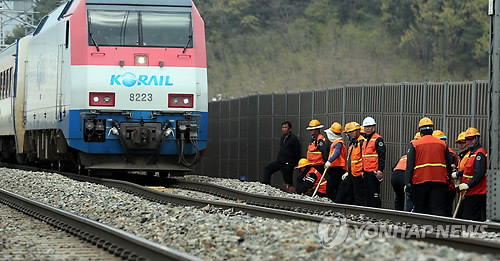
[{"x": 369, "y": 121}]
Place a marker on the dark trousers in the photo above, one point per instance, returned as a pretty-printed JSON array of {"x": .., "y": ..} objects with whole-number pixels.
[
  {"x": 430, "y": 198},
  {"x": 334, "y": 177},
  {"x": 372, "y": 190},
  {"x": 351, "y": 191},
  {"x": 450, "y": 198},
  {"x": 398, "y": 185},
  {"x": 473, "y": 208},
  {"x": 286, "y": 172}
]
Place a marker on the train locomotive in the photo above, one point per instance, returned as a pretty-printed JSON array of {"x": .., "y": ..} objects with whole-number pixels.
[{"x": 108, "y": 85}]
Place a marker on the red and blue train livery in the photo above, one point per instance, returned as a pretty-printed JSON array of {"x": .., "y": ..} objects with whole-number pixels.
[{"x": 108, "y": 85}]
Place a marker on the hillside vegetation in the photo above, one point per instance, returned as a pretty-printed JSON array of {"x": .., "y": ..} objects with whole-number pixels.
[{"x": 289, "y": 45}]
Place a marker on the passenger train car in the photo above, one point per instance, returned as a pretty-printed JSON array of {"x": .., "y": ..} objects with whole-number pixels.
[{"x": 108, "y": 84}]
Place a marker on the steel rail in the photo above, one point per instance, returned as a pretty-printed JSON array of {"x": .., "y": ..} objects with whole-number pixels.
[
  {"x": 455, "y": 241},
  {"x": 119, "y": 242},
  {"x": 278, "y": 212},
  {"x": 311, "y": 206}
]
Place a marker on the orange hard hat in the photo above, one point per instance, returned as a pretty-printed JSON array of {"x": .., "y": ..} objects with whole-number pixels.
[
  {"x": 425, "y": 122},
  {"x": 362, "y": 130},
  {"x": 472, "y": 132},
  {"x": 439, "y": 135},
  {"x": 314, "y": 124},
  {"x": 417, "y": 136},
  {"x": 352, "y": 126},
  {"x": 461, "y": 137},
  {"x": 336, "y": 128},
  {"x": 302, "y": 163}
]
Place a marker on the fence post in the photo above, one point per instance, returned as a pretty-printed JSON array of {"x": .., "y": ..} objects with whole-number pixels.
[
  {"x": 344, "y": 100},
  {"x": 401, "y": 119},
  {"x": 473, "y": 104},
  {"x": 424, "y": 99},
  {"x": 445, "y": 108}
]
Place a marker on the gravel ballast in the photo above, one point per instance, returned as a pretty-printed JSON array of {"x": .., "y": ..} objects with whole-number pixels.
[{"x": 212, "y": 233}]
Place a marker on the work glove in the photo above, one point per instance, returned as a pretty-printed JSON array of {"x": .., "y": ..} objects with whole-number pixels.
[
  {"x": 327, "y": 164},
  {"x": 345, "y": 175},
  {"x": 463, "y": 186},
  {"x": 408, "y": 189},
  {"x": 454, "y": 175}
]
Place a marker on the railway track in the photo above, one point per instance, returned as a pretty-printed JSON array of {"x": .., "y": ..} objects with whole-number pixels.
[
  {"x": 283, "y": 208},
  {"x": 316, "y": 207},
  {"x": 120, "y": 243},
  {"x": 300, "y": 212}
]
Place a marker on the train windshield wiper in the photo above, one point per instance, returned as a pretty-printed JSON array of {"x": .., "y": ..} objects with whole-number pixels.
[
  {"x": 92, "y": 36},
  {"x": 190, "y": 38}
]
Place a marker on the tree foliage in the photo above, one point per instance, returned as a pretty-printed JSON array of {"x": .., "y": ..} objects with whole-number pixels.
[{"x": 285, "y": 45}]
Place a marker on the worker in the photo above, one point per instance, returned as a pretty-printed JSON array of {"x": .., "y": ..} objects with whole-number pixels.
[
  {"x": 427, "y": 171},
  {"x": 463, "y": 151},
  {"x": 336, "y": 160},
  {"x": 473, "y": 179},
  {"x": 452, "y": 192},
  {"x": 317, "y": 151},
  {"x": 351, "y": 189},
  {"x": 373, "y": 163},
  {"x": 398, "y": 183},
  {"x": 310, "y": 179},
  {"x": 288, "y": 156}
]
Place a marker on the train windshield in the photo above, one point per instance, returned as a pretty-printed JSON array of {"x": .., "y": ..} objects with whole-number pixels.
[{"x": 138, "y": 28}]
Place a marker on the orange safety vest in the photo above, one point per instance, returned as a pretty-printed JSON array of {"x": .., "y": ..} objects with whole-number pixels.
[
  {"x": 340, "y": 160},
  {"x": 461, "y": 166},
  {"x": 356, "y": 159},
  {"x": 480, "y": 188},
  {"x": 370, "y": 156},
  {"x": 322, "y": 186},
  {"x": 402, "y": 163},
  {"x": 314, "y": 155},
  {"x": 430, "y": 161}
]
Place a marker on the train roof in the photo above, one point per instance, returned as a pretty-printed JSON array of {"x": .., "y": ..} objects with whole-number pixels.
[{"x": 180, "y": 3}]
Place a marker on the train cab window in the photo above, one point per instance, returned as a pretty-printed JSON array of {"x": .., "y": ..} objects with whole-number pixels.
[
  {"x": 166, "y": 29},
  {"x": 139, "y": 28},
  {"x": 113, "y": 28}
]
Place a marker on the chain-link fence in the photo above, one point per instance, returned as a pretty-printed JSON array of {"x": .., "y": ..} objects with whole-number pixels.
[{"x": 244, "y": 133}]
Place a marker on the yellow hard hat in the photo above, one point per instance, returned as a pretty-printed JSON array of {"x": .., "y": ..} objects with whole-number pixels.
[
  {"x": 302, "y": 163},
  {"x": 471, "y": 132},
  {"x": 352, "y": 126},
  {"x": 417, "y": 136},
  {"x": 362, "y": 130},
  {"x": 314, "y": 124},
  {"x": 439, "y": 135},
  {"x": 336, "y": 128},
  {"x": 425, "y": 122},
  {"x": 461, "y": 137}
]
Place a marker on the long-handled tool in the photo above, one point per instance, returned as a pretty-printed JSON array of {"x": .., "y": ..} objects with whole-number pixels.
[
  {"x": 319, "y": 183},
  {"x": 462, "y": 195}
]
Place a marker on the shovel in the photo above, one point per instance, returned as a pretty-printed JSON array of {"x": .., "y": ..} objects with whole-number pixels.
[{"x": 462, "y": 195}]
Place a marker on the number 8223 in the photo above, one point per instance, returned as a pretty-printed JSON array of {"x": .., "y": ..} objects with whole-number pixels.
[{"x": 141, "y": 97}]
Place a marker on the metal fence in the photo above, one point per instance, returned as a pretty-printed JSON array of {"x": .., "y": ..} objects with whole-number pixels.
[{"x": 244, "y": 133}]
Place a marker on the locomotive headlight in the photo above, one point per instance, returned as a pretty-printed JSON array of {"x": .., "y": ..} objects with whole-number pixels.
[
  {"x": 141, "y": 60},
  {"x": 102, "y": 99},
  {"x": 180, "y": 100}
]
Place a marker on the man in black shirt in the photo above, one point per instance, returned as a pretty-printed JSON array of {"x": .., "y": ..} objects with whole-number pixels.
[{"x": 288, "y": 157}]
